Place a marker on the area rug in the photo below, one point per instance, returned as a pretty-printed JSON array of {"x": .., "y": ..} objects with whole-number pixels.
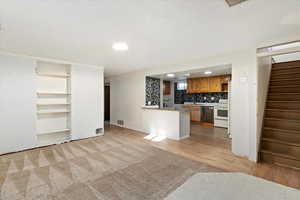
[
  {"x": 111, "y": 167},
  {"x": 231, "y": 186}
]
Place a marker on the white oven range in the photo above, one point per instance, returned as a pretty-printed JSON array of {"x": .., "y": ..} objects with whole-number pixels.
[{"x": 221, "y": 114}]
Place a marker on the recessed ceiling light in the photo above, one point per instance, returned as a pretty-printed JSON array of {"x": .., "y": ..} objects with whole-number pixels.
[
  {"x": 120, "y": 46},
  {"x": 170, "y": 75},
  {"x": 208, "y": 72}
]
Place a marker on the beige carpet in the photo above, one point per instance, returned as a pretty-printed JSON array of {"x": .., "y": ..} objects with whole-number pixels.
[{"x": 108, "y": 167}]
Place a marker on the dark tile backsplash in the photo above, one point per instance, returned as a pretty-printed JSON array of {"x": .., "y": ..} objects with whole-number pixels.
[
  {"x": 152, "y": 91},
  {"x": 182, "y": 96}
]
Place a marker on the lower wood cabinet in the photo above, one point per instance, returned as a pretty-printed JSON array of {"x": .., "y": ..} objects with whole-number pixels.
[
  {"x": 196, "y": 116},
  {"x": 195, "y": 113}
]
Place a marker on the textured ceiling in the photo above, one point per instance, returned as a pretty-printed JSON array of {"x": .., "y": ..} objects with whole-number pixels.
[{"x": 158, "y": 32}]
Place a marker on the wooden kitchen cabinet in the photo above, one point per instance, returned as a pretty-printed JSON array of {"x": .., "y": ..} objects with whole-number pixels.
[
  {"x": 208, "y": 84},
  {"x": 215, "y": 84},
  {"x": 225, "y": 78},
  {"x": 167, "y": 87},
  {"x": 190, "y": 86},
  {"x": 204, "y": 85},
  {"x": 224, "y": 82},
  {"x": 195, "y": 113},
  {"x": 197, "y": 85}
]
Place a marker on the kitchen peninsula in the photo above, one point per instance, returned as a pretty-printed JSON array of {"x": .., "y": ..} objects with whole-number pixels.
[{"x": 166, "y": 122}]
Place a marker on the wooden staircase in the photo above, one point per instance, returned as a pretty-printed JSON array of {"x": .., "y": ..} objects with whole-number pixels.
[{"x": 280, "y": 143}]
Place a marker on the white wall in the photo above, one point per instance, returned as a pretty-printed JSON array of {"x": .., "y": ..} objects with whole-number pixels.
[
  {"x": 87, "y": 85},
  {"x": 128, "y": 95},
  {"x": 263, "y": 77},
  {"x": 17, "y": 104}
]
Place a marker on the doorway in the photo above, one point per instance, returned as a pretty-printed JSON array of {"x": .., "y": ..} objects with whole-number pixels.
[
  {"x": 106, "y": 103},
  {"x": 205, "y": 93}
]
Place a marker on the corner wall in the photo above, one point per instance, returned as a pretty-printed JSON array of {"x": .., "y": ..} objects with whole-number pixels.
[{"x": 128, "y": 95}]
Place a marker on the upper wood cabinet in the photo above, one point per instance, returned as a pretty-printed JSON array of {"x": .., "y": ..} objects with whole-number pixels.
[
  {"x": 225, "y": 78},
  {"x": 167, "y": 87},
  {"x": 203, "y": 84},
  {"x": 215, "y": 84},
  {"x": 208, "y": 84},
  {"x": 191, "y": 86}
]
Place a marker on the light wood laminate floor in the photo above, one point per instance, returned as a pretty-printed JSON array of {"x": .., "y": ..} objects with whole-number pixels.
[
  {"x": 122, "y": 164},
  {"x": 214, "y": 149}
]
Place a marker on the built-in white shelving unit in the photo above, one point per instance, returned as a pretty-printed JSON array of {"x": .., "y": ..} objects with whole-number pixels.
[
  {"x": 53, "y": 103},
  {"x": 54, "y": 132},
  {"x": 52, "y": 94},
  {"x": 54, "y": 75},
  {"x": 51, "y": 112}
]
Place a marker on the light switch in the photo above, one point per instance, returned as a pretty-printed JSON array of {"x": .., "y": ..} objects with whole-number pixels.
[{"x": 243, "y": 79}]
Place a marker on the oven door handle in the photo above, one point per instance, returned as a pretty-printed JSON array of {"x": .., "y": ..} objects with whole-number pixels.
[{"x": 221, "y": 119}]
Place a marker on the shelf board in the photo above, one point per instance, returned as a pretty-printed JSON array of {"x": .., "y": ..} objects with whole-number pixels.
[
  {"x": 54, "y": 75},
  {"x": 54, "y": 132},
  {"x": 52, "y": 93},
  {"x": 57, "y": 112},
  {"x": 54, "y": 104}
]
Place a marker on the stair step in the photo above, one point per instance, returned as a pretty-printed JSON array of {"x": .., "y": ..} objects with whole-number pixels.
[
  {"x": 279, "y": 82},
  {"x": 279, "y": 159},
  {"x": 281, "y": 130},
  {"x": 278, "y": 96},
  {"x": 285, "y": 76},
  {"x": 285, "y": 89},
  {"x": 284, "y": 105},
  {"x": 293, "y": 125},
  {"x": 286, "y": 65},
  {"x": 289, "y": 151},
  {"x": 290, "y": 70},
  {"x": 281, "y": 142},
  {"x": 283, "y": 114},
  {"x": 282, "y": 135},
  {"x": 280, "y": 155},
  {"x": 281, "y": 119}
]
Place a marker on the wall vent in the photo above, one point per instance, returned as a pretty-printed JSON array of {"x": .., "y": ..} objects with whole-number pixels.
[
  {"x": 234, "y": 2},
  {"x": 120, "y": 122},
  {"x": 99, "y": 131}
]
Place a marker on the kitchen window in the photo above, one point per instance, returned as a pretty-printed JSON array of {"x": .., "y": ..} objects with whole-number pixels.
[{"x": 181, "y": 86}]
